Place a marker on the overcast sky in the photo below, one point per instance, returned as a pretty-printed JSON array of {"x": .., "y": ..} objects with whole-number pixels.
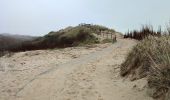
[{"x": 38, "y": 17}]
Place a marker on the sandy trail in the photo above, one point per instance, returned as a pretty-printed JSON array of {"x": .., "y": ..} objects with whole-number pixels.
[
  {"x": 21, "y": 68},
  {"x": 70, "y": 74},
  {"x": 91, "y": 77}
]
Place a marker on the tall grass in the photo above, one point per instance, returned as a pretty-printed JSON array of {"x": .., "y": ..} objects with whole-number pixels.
[
  {"x": 143, "y": 33},
  {"x": 150, "y": 58},
  {"x": 159, "y": 73}
]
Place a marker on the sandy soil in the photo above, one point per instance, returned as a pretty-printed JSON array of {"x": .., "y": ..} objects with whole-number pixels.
[
  {"x": 70, "y": 74},
  {"x": 20, "y": 68}
]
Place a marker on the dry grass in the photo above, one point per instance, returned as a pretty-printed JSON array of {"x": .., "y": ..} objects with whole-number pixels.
[
  {"x": 143, "y": 33},
  {"x": 151, "y": 58}
]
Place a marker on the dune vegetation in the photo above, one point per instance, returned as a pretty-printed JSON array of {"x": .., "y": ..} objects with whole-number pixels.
[
  {"x": 150, "y": 58},
  {"x": 145, "y": 31},
  {"x": 83, "y": 34}
]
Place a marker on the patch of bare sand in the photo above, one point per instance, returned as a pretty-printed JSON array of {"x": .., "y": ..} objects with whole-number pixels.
[
  {"x": 17, "y": 70},
  {"x": 94, "y": 77}
]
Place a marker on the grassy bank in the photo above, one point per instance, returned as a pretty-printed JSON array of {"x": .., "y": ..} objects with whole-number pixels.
[{"x": 150, "y": 58}]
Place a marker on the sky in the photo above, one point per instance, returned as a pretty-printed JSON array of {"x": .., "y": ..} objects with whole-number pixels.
[{"x": 39, "y": 17}]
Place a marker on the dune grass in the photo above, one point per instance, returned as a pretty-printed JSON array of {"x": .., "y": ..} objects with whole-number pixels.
[
  {"x": 83, "y": 34},
  {"x": 150, "y": 58},
  {"x": 72, "y": 37},
  {"x": 144, "y": 32}
]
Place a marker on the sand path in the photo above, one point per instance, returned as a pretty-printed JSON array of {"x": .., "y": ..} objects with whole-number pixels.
[{"x": 91, "y": 77}]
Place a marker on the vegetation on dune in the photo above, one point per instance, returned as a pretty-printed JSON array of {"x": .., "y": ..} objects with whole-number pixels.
[
  {"x": 143, "y": 33},
  {"x": 71, "y": 36},
  {"x": 9, "y": 41},
  {"x": 150, "y": 58}
]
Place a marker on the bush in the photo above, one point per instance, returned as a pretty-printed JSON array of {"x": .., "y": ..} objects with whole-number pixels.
[{"x": 151, "y": 58}]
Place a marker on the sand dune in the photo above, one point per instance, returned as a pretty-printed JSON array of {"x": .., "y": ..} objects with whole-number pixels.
[{"x": 80, "y": 73}]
